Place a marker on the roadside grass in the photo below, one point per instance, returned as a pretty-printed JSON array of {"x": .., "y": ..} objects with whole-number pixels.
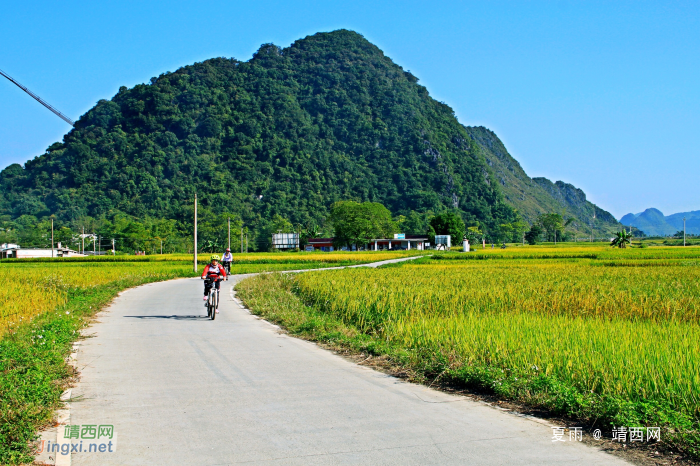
[
  {"x": 603, "y": 342},
  {"x": 33, "y": 368}
]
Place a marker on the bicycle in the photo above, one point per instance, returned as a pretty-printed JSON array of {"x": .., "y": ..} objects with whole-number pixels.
[
  {"x": 212, "y": 298},
  {"x": 227, "y": 267}
]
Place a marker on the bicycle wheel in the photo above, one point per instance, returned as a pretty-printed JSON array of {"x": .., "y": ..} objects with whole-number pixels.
[
  {"x": 214, "y": 303},
  {"x": 209, "y": 306}
]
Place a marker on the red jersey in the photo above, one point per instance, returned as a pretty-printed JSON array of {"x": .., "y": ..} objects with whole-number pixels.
[{"x": 212, "y": 270}]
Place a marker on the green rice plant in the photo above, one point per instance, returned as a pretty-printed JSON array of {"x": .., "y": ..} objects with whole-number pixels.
[
  {"x": 31, "y": 287},
  {"x": 623, "y": 340}
]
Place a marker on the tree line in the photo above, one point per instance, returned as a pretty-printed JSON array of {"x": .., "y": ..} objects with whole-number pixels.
[{"x": 349, "y": 222}]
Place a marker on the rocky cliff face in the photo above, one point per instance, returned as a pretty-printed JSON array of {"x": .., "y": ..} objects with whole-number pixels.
[{"x": 535, "y": 196}]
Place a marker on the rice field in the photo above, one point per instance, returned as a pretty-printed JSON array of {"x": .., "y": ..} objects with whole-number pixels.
[
  {"x": 593, "y": 333},
  {"x": 30, "y": 287}
]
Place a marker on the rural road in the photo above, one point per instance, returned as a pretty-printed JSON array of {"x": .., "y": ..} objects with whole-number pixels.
[{"x": 182, "y": 390}]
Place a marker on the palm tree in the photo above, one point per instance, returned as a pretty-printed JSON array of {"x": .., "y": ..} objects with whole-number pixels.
[
  {"x": 313, "y": 231},
  {"x": 621, "y": 240}
]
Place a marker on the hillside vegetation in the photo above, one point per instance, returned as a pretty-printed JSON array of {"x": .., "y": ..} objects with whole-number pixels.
[{"x": 286, "y": 133}]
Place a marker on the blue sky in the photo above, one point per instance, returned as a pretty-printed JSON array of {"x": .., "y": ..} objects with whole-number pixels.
[{"x": 603, "y": 95}]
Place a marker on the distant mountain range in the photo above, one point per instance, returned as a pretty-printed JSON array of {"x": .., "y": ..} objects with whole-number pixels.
[{"x": 654, "y": 223}]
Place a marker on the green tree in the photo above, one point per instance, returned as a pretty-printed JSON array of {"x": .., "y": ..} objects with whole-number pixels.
[
  {"x": 212, "y": 230},
  {"x": 533, "y": 236},
  {"x": 416, "y": 223},
  {"x": 474, "y": 235},
  {"x": 553, "y": 225},
  {"x": 358, "y": 223},
  {"x": 621, "y": 239},
  {"x": 505, "y": 232},
  {"x": 519, "y": 228},
  {"x": 449, "y": 223},
  {"x": 312, "y": 230}
]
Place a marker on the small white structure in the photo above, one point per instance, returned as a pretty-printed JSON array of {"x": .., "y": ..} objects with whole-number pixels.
[
  {"x": 465, "y": 245},
  {"x": 443, "y": 242},
  {"x": 285, "y": 241}
]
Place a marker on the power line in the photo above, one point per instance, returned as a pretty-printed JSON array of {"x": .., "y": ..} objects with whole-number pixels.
[{"x": 40, "y": 100}]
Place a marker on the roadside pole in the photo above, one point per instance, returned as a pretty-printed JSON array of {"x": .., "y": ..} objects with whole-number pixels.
[
  {"x": 683, "y": 231},
  {"x": 82, "y": 239},
  {"x": 195, "y": 232},
  {"x": 113, "y": 251},
  {"x": 241, "y": 238},
  {"x": 51, "y": 237},
  {"x": 229, "y": 232}
]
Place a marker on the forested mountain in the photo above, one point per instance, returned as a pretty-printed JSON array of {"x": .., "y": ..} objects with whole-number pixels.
[{"x": 283, "y": 135}]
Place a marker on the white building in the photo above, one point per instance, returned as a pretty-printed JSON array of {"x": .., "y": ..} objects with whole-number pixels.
[
  {"x": 400, "y": 241},
  {"x": 15, "y": 252}
]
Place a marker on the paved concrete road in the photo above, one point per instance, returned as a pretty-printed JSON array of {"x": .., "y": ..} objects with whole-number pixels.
[{"x": 182, "y": 390}]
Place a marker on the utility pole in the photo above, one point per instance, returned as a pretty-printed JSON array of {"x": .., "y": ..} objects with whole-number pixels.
[
  {"x": 161, "y": 246},
  {"x": 93, "y": 244},
  {"x": 241, "y": 238},
  {"x": 195, "y": 232},
  {"x": 593, "y": 221},
  {"x": 113, "y": 251},
  {"x": 683, "y": 231},
  {"x": 229, "y": 232},
  {"x": 246, "y": 242},
  {"x": 82, "y": 239},
  {"x": 51, "y": 237},
  {"x": 99, "y": 244}
]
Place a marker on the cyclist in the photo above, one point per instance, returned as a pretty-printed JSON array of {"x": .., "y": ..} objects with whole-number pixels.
[
  {"x": 226, "y": 260},
  {"x": 215, "y": 272}
]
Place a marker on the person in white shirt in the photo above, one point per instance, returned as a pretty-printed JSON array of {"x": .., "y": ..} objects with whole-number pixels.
[{"x": 226, "y": 260}]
